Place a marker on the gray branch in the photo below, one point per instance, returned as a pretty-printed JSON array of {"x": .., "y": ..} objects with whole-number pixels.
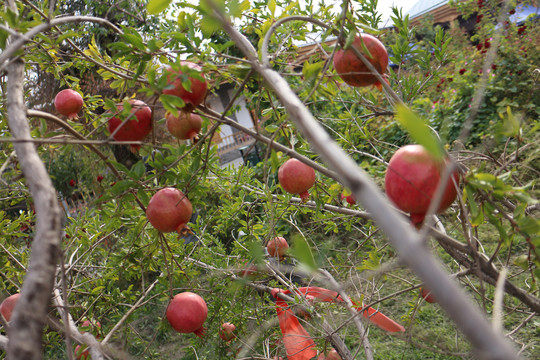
[{"x": 26, "y": 326}]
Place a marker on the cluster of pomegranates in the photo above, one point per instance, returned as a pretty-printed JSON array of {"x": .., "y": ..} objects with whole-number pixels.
[
  {"x": 186, "y": 125},
  {"x": 136, "y": 125}
]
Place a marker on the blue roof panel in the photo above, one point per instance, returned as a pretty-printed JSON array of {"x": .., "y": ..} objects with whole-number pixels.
[{"x": 424, "y": 6}]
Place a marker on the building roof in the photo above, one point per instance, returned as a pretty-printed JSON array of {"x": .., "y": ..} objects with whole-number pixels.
[
  {"x": 424, "y": 6},
  {"x": 439, "y": 10}
]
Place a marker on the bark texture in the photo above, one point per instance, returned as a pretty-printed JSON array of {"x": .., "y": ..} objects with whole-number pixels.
[{"x": 26, "y": 326}]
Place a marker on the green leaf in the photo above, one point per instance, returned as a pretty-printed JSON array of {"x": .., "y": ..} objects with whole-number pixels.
[
  {"x": 156, "y": 6},
  {"x": 510, "y": 125},
  {"x": 419, "y": 131},
  {"x": 349, "y": 40},
  {"x": 274, "y": 160},
  {"x": 271, "y": 128},
  {"x": 310, "y": 71},
  {"x": 529, "y": 226},
  {"x": 135, "y": 39},
  {"x": 143, "y": 196},
  {"x": 272, "y": 7},
  {"x": 122, "y": 186},
  {"x": 209, "y": 26},
  {"x": 255, "y": 249},
  {"x": 236, "y": 8},
  {"x": 171, "y": 103},
  {"x": 301, "y": 250},
  {"x": 138, "y": 170},
  {"x": 522, "y": 261}
]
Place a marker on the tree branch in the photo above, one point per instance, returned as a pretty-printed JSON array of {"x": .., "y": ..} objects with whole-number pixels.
[
  {"x": 23, "y": 39},
  {"x": 26, "y": 326}
]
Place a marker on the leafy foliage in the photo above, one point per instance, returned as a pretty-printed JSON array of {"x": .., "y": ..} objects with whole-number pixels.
[{"x": 120, "y": 271}]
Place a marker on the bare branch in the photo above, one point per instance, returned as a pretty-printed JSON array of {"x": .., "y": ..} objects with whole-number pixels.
[{"x": 361, "y": 329}]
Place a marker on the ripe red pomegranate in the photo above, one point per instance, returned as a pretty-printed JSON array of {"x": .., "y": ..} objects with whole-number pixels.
[
  {"x": 349, "y": 198},
  {"x": 296, "y": 177},
  {"x": 169, "y": 210},
  {"x": 226, "y": 331},
  {"x": 138, "y": 125},
  {"x": 7, "y": 306},
  {"x": 93, "y": 328},
  {"x": 82, "y": 352},
  {"x": 333, "y": 355},
  {"x": 352, "y": 70},
  {"x": 187, "y": 312},
  {"x": 427, "y": 295},
  {"x": 198, "y": 88},
  {"x": 411, "y": 180},
  {"x": 68, "y": 102},
  {"x": 184, "y": 126},
  {"x": 277, "y": 247}
]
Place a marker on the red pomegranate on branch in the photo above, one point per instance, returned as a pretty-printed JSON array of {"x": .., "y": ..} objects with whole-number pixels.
[
  {"x": 187, "y": 313},
  {"x": 411, "y": 179},
  {"x": 169, "y": 210},
  {"x": 352, "y": 70},
  {"x": 68, "y": 102},
  {"x": 296, "y": 177},
  {"x": 133, "y": 127},
  {"x": 185, "y": 126},
  {"x": 194, "y": 92}
]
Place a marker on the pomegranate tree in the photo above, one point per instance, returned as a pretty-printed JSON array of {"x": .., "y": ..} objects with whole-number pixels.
[
  {"x": 277, "y": 247},
  {"x": 169, "y": 210},
  {"x": 187, "y": 312},
  {"x": 296, "y": 177},
  {"x": 195, "y": 93},
  {"x": 7, "y": 306},
  {"x": 227, "y": 331},
  {"x": 184, "y": 126},
  {"x": 68, "y": 102},
  {"x": 352, "y": 70},
  {"x": 133, "y": 127},
  {"x": 412, "y": 177}
]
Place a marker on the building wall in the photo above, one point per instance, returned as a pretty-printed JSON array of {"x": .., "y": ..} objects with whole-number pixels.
[{"x": 231, "y": 139}]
